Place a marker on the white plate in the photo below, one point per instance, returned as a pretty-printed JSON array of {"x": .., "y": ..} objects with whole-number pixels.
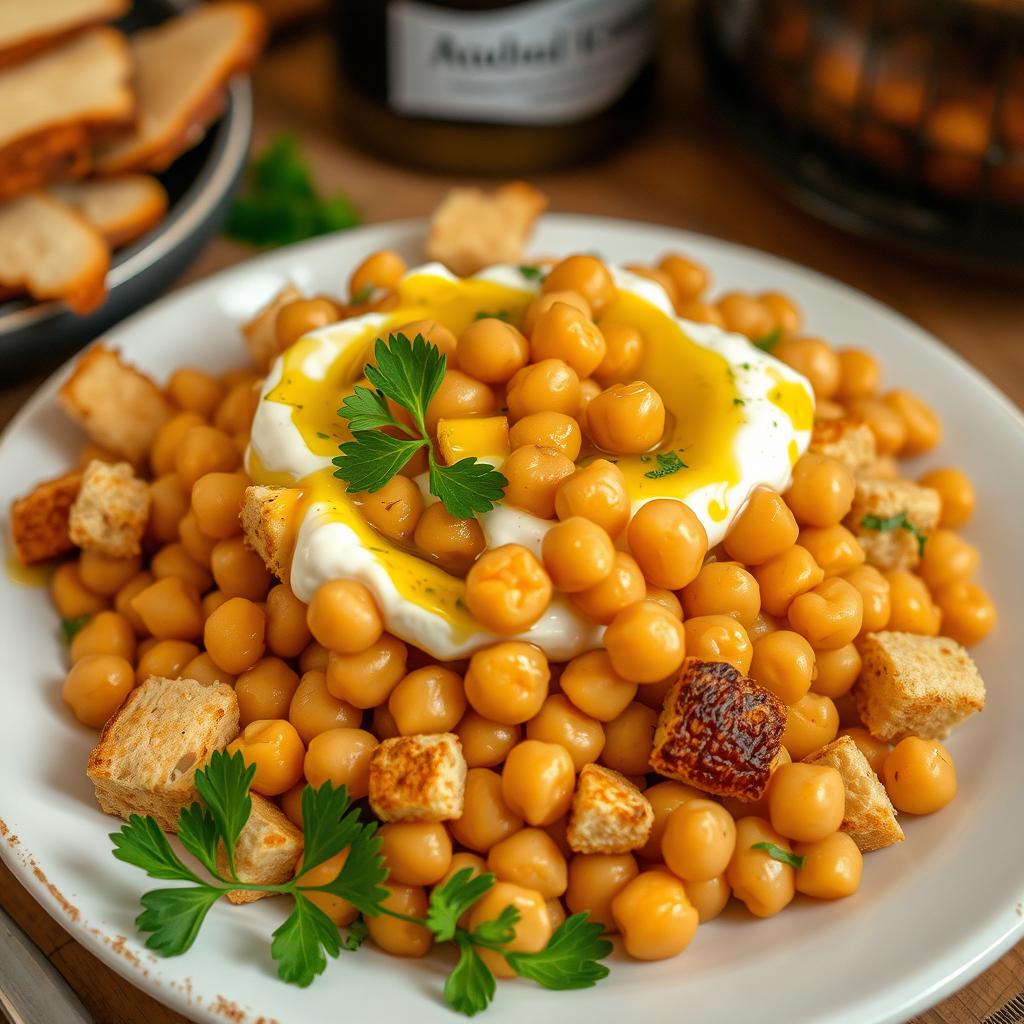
[{"x": 931, "y": 913}]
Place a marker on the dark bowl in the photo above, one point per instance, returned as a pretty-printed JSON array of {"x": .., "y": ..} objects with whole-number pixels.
[{"x": 200, "y": 186}]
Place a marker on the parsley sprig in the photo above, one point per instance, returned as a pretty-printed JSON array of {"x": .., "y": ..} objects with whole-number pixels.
[
  {"x": 900, "y": 521},
  {"x": 409, "y": 374},
  {"x": 209, "y": 830}
]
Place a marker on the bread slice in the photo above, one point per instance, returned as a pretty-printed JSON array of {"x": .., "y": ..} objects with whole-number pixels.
[
  {"x": 50, "y": 251},
  {"x": 111, "y": 510},
  {"x": 120, "y": 209},
  {"x": 269, "y": 524},
  {"x": 40, "y": 521},
  {"x": 29, "y": 28},
  {"x": 182, "y": 69},
  {"x": 56, "y": 107},
  {"x": 268, "y": 848}
]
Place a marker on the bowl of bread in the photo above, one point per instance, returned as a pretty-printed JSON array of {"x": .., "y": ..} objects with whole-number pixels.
[{"x": 124, "y": 129}]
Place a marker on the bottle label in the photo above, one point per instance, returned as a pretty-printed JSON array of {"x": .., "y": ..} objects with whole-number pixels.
[{"x": 541, "y": 62}]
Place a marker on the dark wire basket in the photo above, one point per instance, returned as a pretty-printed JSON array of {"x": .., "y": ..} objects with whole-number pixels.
[{"x": 902, "y": 119}]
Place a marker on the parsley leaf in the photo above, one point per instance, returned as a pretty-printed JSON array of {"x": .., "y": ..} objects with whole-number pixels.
[
  {"x": 408, "y": 372},
  {"x": 668, "y": 463},
  {"x": 363, "y": 295},
  {"x": 467, "y": 487},
  {"x": 498, "y": 931},
  {"x": 900, "y": 521},
  {"x": 302, "y": 944},
  {"x": 70, "y": 628},
  {"x": 450, "y": 901},
  {"x": 768, "y": 341},
  {"x": 197, "y": 830},
  {"x": 367, "y": 410},
  {"x": 173, "y": 917},
  {"x": 140, "y": 842},
  {"x": 500, "y": 314},
  {"x": 471, "y": 986},
  {"x": 569, "y": 960},
  {"x": 355, "y": 935},
  {"x": 371, "y": 459},
  {"x": 794, "y": 860},
  {"x": 531, "y": 273},
  {"x": 224, "y": 788}
]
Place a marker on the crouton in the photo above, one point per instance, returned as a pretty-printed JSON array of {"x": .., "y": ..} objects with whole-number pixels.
[
  {"x": 267, "y": 850},
  {"x": 718, "y": 731},
  {"x": 260, "y": 332},
  {"x": 148, "y": 752},
  {"x": 848, "y": 439},
  {"x": 110, "y": 513},
  {"x": 890, "y": 519},
  {"x": 609, "y": 814},
  {"x": 471, "y": 230},
  {"x": 869, "y": 818},
  {"x": 119, "y": 408},
  {"x": 40, "y": 521},
  {"x": 269, "y": 523},
  {"x": 913, "y": 685},
  {"x": 418, "y": 778}
]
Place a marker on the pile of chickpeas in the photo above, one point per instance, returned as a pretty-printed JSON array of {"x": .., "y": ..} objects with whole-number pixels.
[{"x": 784, "y": 599}]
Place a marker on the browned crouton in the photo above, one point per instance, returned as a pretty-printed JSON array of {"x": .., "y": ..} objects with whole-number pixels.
[
  {"x": 869, "y": 818},
  {"x": 418, "y": 778},
  {"x": 269, "y": 524},
  {"x": 609, "y": 814},
  {"x": 913, "y": 685},
  {"x": 110, "y": 513},
  {"x": 718, "y": 731},
  {"x": 267, "y": 850},
  {"x": 847, "y": 438},
  {"x": 119, "y": 408},
  {"x": 890, "y": 519},
  {"x": 148, "y": 752},
  {"x": 260, "y": 332},
  {"x": 39, "y": 521}
]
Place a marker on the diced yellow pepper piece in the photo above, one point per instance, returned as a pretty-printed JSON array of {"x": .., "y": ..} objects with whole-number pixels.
[{"x": 481, "y": 437}]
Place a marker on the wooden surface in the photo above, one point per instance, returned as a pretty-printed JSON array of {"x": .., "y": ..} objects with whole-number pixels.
[{"x": 683, "y": 171}]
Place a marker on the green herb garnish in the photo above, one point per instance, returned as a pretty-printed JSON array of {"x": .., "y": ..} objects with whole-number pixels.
[
  {"x": 172, "y": 917},
  {"x": 363, "y": 295},
  {"x": 280, "y": 203},
  {"x": 794, "y": 860},
  {"x": 501, "y": 314},
  {"x": 668, "y": 463},
  {"x": 409, "y": 373},
  {"x": 768, "y": 341},
  {"x": 900, "y": 521},
  {"x": 738, "y": 401},
  {"x": 70, "y": 628},
  {"x": 531, "y": 273}
]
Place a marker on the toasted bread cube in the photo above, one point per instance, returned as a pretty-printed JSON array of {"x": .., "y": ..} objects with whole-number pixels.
[
  {"x": 268, "y": 522},
  {"x": 847, "y": 438},
  {"x": 609, "y": 814},
  {"x": 267, "y": 850},
  {"x": 40, "y": 521},
  {"x": 718, "y": 731},
  {"x": 869, "y": 818},
  {"x": 110, "y": 513},
  {"x": 913, "y": 685},
  {"x": 119, "y": 408},
  {"x": 260, "y": 332},
  {"x": 418, "y": 778},
  {"x": 472, "y": 229},
  {"x": 147, "y": 755},
  {"x": 897, "y": 547}
]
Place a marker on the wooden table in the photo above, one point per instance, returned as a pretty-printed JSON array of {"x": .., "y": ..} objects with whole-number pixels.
[{"x": 684, "y": 171}]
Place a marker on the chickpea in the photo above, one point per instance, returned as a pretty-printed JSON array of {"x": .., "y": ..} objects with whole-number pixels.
[
  {"x": 97, "y": 686},
  {"x": 485, "y": 744},
  {"x": 668, "y": 542},
  {"x": 587, "y": 276},
  {"x": 234, "y": 635},
  {"x": 645, "y": 642},
  {"x": 548, "y": 386},
  {"x": 764, "y": 884},
  {"x": 105, "y": 633},
  {"x": 745, "y": 315},
  {"x": 168, "y": 504},
  {"x": 342, "y": 757},
  {"x": 169, "y": 609},
  {"x": 534, "y": 473},
  {"x": 654, "y": 915},
  {"x": 508, "y": 682},
  {"x": 626, "y": 418},
  {"x": 785, "y": 313},
  {"x": 690, "y": 278},
  {"x": 164, "y": 659},
  {"x": 923, "y": 429},
  {"x": 203, "y": 670},
  {"x": 428, "y": 700},
  {"x": 563, "y": 332},
  {"x": 913, "y": 610},
  {"x": 859, "y": 374},
  {"x": 783, "y": 662},
  {"x": 195, "y": 391},
  {"x": 394, "y": 511},
  {"x": 174, "y": 560},
  {"x": 719, "y": 638},
  {"x": 919, "y": 776},
  {"x": 874, "y": 592},
  {"x": 104, "y": 575},
  {"x": 543, "y": 302},
  {"x": 786, "y": 576},
  {"x": 366, "y": 678},
  {"x": 507, "y": 589},
  {"x": 698, "y": 840},
  {"x": 623, "y": 586},
  {"x": 548, "y": 430},
  {"x": 660, "y": 277},
  {"x": 828, "y": 615},
  {"x": 709, "y": 898},
  {"x": 492, "y": 350},
  {"x": 339, "y": 910},
  {"x": 380, "y": 271},
  {"x": 578, "y": 554},
  {"x": 314, "y": 657},
  {"x": 415, "y": 852},
  {"x": 832, "y": 867},
  {"x": 885, "y": 423},
  {"x": 558, "y": 721},
  {"x": 594, "y": 880},
  {"x": 453, "y": 543},
  {"x": 530, "y": 858},
  {"x": 196, "y": 544},
  {"x": 876, "y": 751},
  {"x": 537, "y": 781},
  {"x": 821, "y": 491},
  {"x": 291, "y": 804},
  {"x": 624, "y": 350},
  {"x": 239, "y": 571},
  {"x": 664, "y": 798},
  {"x": 288, "y": 633},
  {"x": 211, "y": 602},
  {"x": 810, "y": 723},
  {"x": 701, "y": 313},
  {"x": 236, "y": 412},
  {"x": 274, "y": 747},
  {"x": 956, "y": 492},
  {"x": 837, "y": 671},
  {"x": 460, "y": 861},
  {"x": 806, "y": 801},
  {"x": 164, "y": 449},
  {"x": 813, "y": 358},
  {"x": 216, "y": 501},
  {"x": 531, "y": 933},
  {"x": 723, "y": 588},
  {"x": 265, "y": 690},
  {"x": 123, "y": 601},
  {"x": 667, "y": 599},
  {"x": 596, "y": 492},
  {"x": 947, "y": 558},
  {"x": 592, "y": 684},
  {"x": 763, "y": 625},
  {"x": 459, "y": 395},
  {"x": 344, "y": 617},
  {"x": 398, "y": 937},
  {"x": 765, "y": 528},
  {"x": 313, "y": 709},
  {"x": 486, "y": 817},
  {"x": 382, "y": 724},
  {"x": 300, "y": 317},
  {"x": 71, "y": 596},
  {"x": 759, "y": 807},
  {"x": 836, "y": 550},
  {"x": 204, "y": 450},
  {"x": 434, "y": 333},
  {"x": 629, "y": 740},
  {"x": 968, "y": 613}
]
